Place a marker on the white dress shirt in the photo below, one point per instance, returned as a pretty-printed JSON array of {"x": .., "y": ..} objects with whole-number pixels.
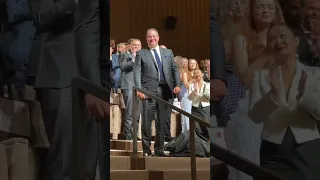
[
  {"x": 202, "y": 96},
  {"x": 158, "y": 51},
  {"x": 279, "y": 114}
]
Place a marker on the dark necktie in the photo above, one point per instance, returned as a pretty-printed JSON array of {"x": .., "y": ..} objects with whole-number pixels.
[{"x": 159, "y": 64}]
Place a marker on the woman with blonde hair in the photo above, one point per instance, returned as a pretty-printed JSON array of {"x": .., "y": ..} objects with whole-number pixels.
[{"x": 188, "y": 75}]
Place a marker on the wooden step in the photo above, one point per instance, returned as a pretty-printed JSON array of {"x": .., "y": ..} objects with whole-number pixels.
[
  {"x": 168, "y": 163},
  {"x": 158, "y": 175},
  {"x": 120, "y": 163},
  {"x": 127, "y": 145},
  {"x": 125, "y": 175},
  {"x": 116, "y": 152},
  {"x": 178, "y": 175}
]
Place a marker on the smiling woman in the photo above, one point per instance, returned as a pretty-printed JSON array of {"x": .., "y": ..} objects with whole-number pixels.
[{"x": 285, "y": 99}]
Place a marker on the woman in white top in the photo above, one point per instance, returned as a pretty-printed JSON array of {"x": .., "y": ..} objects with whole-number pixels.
[
  {"x": 199, "y": 94},
  {"x": 286, "y": 99}
]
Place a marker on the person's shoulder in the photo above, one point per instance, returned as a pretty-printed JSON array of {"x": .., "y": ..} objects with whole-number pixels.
[
  {"x": 166, "y": 50},
  {"x": 314, "y": 71},
  {"x": 114, "y": 56},
  {"x": 142, "y": 51}
]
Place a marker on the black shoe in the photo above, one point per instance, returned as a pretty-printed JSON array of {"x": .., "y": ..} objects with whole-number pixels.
[
  {"x": 128, "y": 138},
  {"x": 168, "y": 139},
  {"x": 160, "y": 154}
]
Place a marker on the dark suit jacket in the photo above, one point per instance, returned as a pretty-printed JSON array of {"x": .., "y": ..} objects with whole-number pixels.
[
  {"x": 56, "y": 65},
  {"x": 217, "y": 52},
  {"x": 92, "y": 41},
  {"x": 126, "y": 65},
  {"x": 147, "y": 75},
  {"x": 18, "y": 38},
  {"x": 116, "y": 71}
]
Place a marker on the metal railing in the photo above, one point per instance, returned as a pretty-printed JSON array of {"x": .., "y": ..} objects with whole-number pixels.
[
  {"x": 192, "y": 120},
  {"x": 242, "y": 164},
  {"x": 80, "y": 87}
]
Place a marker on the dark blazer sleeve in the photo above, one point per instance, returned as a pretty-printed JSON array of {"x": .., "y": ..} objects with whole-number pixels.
[
  {"x": 175, "y": 71},
  {"x": 87, "y": 35},
  {"x": 50, "y": 14},
  {"x": 217, "y": 52},
  {"x": 125, "y": 65},
  {"x": 137, "y": 70}
]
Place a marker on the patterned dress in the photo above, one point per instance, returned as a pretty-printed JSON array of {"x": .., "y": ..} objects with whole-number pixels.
[{"x": 235, "y": 92}]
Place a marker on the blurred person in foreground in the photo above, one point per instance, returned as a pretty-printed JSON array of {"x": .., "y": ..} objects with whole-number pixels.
[
  {"x": 92, "y": 51},
  {"x": 285, "y": 98}
]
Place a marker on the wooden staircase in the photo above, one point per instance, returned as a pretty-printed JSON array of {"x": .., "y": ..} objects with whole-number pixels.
[{"x": 123, "y": 166}]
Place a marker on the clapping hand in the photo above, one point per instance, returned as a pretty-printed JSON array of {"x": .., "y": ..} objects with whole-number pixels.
[{"x": 196, "y": 87}]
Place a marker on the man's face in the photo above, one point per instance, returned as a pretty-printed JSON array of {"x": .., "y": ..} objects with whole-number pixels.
[
  {"x": 202, "y": 64},
  {"x": 112, "y": 43},
  {"x": 313, "y": 9},
  {"x": 135, "y": 46},
  {"x": 152, "y": 38},
  {"x": 207, "y": 65},
  {"x": 121, "y": 48},
  {"x": 293, "y": 12}
]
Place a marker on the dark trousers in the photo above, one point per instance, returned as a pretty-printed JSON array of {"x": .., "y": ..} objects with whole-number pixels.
[
  {"x": 56, "y": 108},
  {"x": 291, "y": 160},
  {"x": 104, "y": 148},
  {"x": 97, "y": 148},
  {"x": 149, "y": 107},
  {"x": 167, "y": 128},
  {"x": 204, "y": 114},
  {"x": 127, "y": 96}
]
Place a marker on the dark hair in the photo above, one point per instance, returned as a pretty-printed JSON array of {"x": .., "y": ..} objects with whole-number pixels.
[
  {"x": 280, "y": 25},
  {"x": 284, "y": 3}
]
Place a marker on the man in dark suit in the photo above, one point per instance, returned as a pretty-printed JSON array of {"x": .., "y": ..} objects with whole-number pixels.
[
  {"x": 92, "y": 51},
  {"x": 56, "y": 66},
  {"x": 126, "y": 60},
  {"x": 156, "y": 72}
]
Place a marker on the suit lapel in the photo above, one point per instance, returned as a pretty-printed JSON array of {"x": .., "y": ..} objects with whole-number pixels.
[
  {"x": 292, "y": 101},
  {"x": 154, "y": 61},
  {"x": 163, "y": 60}
]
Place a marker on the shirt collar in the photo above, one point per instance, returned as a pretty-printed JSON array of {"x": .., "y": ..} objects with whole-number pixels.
[{"x": 157, "y": 48}]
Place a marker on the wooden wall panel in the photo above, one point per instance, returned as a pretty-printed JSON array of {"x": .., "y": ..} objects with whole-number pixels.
[{"x": 190, "y": 38}]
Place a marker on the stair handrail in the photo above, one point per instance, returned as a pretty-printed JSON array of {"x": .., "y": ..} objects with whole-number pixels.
[
  {"x": 192, "y": 120},
  {"x": 242, "y": 164},
  {"x": 80, "y": 87}
]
